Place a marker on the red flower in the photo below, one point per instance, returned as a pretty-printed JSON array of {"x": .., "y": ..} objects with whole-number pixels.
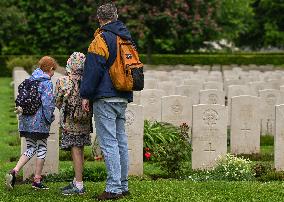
[
  {"x": 147, "y": 155},
  {"x": 147, "y": 149}
]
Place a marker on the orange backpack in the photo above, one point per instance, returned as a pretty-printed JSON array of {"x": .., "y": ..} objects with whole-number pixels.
[{"x": 126, "y": 72}]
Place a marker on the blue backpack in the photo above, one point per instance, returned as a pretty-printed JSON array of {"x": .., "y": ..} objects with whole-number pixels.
[{"x": 28, "y": 97}]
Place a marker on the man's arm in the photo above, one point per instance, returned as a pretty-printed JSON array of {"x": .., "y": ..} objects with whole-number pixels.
[{"x": 94, "y": 67}]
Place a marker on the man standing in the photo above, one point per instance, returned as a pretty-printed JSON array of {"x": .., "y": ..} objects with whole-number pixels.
[{"x": 109, "y": 104}]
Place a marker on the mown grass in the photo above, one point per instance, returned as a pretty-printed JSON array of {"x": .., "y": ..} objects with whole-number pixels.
[
  {"x": 142, "y": 188},
  {"x": 9, "y": 140}
]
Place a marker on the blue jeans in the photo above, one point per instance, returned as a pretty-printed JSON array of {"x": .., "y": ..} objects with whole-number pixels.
[{"x": 110, "y": 130}]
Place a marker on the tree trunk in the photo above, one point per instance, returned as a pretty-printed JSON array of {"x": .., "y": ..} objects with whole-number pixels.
[{"x": 149, "y": 54}]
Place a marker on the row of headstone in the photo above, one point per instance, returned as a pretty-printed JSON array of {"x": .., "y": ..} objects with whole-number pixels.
[{"x": 158, "y": 107}]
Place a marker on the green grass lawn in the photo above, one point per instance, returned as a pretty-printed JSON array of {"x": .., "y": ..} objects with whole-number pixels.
[{"x": 142, "y": 188}]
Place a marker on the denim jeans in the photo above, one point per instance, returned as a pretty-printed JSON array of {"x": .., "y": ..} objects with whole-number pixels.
[{"x": 110, "y": 130}]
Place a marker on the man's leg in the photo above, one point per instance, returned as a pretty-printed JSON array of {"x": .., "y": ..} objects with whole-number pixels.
[
  {"x": 123, "y": 146},
  {"x": 105, "y": 119}
]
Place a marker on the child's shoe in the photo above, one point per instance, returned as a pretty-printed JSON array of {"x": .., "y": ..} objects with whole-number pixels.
[
  {"x": 69, "y": 186},
  {"x": 74, "y": 190},
  {"x": 39, "y": 185},
  {"x": 10, "y": 179}
]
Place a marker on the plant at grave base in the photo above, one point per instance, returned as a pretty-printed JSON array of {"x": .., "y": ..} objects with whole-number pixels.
[
  {"x": 185, "y": 132},
  {"x": 230, "y": 167},
  {"x": 260, "y": 169},
  {"x": 173, "y": 156},
  {"x": 159, "y": 132}
]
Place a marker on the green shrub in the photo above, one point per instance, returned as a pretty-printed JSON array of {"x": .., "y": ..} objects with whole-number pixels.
[
  {"x": 261, "y": 169},
  {"x": 157, "y": 133},
  {"x": 266, "y": 140},
  {"x": 172, "y": 157},
  {"x": 4, "y": 70},
  {"x": 233, "y": 168},
  {"x": 265, "y": 172},
  {"x": 272, "y": 175},
  {"x": 27, "y": 62},
  {"x": 258, "y": 156}
]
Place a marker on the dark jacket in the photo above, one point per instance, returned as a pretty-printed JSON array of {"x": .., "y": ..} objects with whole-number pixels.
[{"x": 96, "y": 81}]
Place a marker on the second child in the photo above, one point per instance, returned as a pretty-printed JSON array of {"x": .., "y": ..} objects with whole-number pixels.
[{"x": 75, "y": 123}]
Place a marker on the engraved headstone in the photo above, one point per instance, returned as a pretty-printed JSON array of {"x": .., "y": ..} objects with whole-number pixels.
[
  {"x": 212, "y": 96},
  {"x": 134, "y": 127},
  {"x": 151, "y": 102},
  {"x": 176, "y": 110},
  {"x": 209, "y": 135},
  {"x": 245, "y": 125}
]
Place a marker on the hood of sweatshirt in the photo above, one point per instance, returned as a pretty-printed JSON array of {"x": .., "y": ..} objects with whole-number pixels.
[
  {"x": 118, "y": 28},
  {"x": 39, "y": 75}
]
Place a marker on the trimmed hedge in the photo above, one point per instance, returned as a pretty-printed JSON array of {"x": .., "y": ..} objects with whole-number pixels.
[
  {"x": 6, "y": 72},
  {"x": 190, "y": 59}
]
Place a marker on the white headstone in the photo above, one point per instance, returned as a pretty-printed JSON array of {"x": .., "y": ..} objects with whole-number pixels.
[
  {"x": 245, "y": 125},
  {"x": 279, "y": 138},
  {"x": 176, "y": 110},
  {"x": 269, "y": 98},
  {"x": 191, "y": 91},
  {"x": 212, "y": 96},
  {"x": 151, "y": 102},
  {"x": 167, "y": 86},
  {"x": 150, "y": 84},
  {"x": 134, "y": 129},
  {"x": 213, "y": 85},
  {"x": 209, "y": 135}
]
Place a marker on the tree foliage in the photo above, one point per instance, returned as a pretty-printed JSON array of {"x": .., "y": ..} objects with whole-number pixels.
[
  {"x": 268, "y": 27},
  {"x": 12, "y": 26},
  {"x": 170, "y": 26},
  {"x": 235, "y": 17},
  {"x": 160, "y": 26}
]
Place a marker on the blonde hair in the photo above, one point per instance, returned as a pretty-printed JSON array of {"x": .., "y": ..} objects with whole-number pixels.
[{"x": 46, "y": 63}]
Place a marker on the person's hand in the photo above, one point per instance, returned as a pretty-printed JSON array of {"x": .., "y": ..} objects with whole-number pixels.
[
  {"x": 85, "y": 105},
  {"x": 18, "y": 110}
]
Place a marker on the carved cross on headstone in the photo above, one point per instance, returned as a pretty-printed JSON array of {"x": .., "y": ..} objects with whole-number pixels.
[{"x": 210, "y": 148}]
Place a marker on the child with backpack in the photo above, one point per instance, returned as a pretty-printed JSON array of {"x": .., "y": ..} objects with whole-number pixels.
[
  {"x": 75, "y": 123},
  {"x": 35, "y": 106}
]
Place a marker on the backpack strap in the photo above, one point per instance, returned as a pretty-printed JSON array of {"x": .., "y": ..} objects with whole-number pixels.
[{"x": 111, "y": 45}]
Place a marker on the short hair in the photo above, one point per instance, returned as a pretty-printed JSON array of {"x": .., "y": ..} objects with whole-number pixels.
[
  {"x": 46, "y": 63},
  {"x": 107, "y": 11}
]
